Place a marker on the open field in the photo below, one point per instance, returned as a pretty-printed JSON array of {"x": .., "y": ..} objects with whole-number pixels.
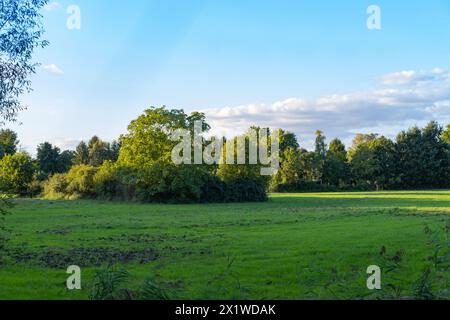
[{"x": 288, "y": 248}]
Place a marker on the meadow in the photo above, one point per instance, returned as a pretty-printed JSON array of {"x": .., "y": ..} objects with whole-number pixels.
[{"x": 295, "y": 246}]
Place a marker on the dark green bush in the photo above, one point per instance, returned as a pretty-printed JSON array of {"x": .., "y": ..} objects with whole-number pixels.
[
  {"x": 245, "y": 191},
  {"x": 308, "y": 186}
]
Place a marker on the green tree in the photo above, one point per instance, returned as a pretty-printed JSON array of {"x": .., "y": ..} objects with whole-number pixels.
[
  {"x": 114, "y": 151},
  {"x": 245, "y": 171},
  {"x": 99, "y": 152},
  {"x": 16, "y": 172},
  {"x": 20, "y": 33},
  {"x": 148, "y": 139},
  {"x": 360, "y": 139},
  {"x": 48, "y": 158},
  {"x": 290, "y": 173},
  {"x": 80, "y": 180},
  {"x": 336, "y": 170},
  {"x": 361, "y": 159},
  {"x": 307, "y": 159},
  {"x": 65, "y": 160},
  {"x": 446, "y": 135},
  {"x": 384, "y": 163},
  {"x": 81, "y": 155},
  {"x": 8, "y": 142},
  {"x": 423, "y": 157},
  {"x": 319, "y": 157}
]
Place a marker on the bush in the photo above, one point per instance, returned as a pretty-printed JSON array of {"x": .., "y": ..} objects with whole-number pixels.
[
  {"x": 4, "y": 205},
  {"x": 162, "y": 182},
  {"x": 106, "y": 181},
  {"x": 171, "y": 183},
  {"x": 245, "y": 191},
  {"x": 56, "y": 187},
  {"x": 16, "y": 172},
  {"x": 35, "y": 187},
  {"x": 309, "y": 186},
  {"x": 81, "y": 181},
  {"x": 214, "y": 190}
]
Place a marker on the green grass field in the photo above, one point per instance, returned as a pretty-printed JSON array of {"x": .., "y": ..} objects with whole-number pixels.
[{"x": 296, "y": 246}]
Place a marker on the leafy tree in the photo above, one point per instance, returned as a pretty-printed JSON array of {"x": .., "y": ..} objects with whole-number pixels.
[
  {"x": 148, "y": 139},
  {"x": 20, "y": 33},
  {"x": 319, "y": 157},
  {"x": 237, "y": 172},
  {"x": 288, "y": 140},
  {"x": 361, "y": 159},
  {"x": 337, "y": 148},
  {"x": 336, "y": 170},
  {"x": 16, "y": 172},
  {"x": 373, "y": 161},
  {"x": 384, "y": 162},
  {"x": 48, "y": 158},
  {"x": 65, "y": 160},
  {"x": 423, "y": 157},
  {"x": 290, "y": 173},
  {"x": 446, "y": 135},
  {"x": 359, "y": 140},
  {"x": 80, "y": 180},
  {"x": 51, "y": 160},
  {"x": 8, "y": 142},
  {"x": 4, "y": 205},
  {"x": 107, "y": 181},
  {"x": 81, "y": 154},
  {"x": 114, "y": 151},
  {"x": 307, "y": 159},
  {"x": 99, "y": 151},
  {"x": 55, "y": 187}
]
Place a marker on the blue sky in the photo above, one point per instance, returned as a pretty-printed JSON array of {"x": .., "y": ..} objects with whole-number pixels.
[{"x": 302, "y": 65}]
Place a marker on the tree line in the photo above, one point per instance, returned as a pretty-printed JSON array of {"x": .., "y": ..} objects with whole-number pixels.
[
  {"x": 418, "y": 158},
  {"x": 139, "y": 167}
]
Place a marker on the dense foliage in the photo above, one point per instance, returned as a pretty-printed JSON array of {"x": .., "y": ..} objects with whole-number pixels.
[
  {"x": 20, "y": 33},
  {"x": 139, "y": 167},
  {"x": 417, "y": 158}
]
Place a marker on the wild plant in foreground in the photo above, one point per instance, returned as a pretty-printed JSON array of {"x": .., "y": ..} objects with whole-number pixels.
[
  {"x": 107, "y": 285},
  {"x": 4, "y": 205}
]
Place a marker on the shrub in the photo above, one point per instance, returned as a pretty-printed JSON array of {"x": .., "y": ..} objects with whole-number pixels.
[
  {"x": 108, "y": 283},
  {"x": 170, "y": 183},
  {"x": 213, "y": 190},
  {"x": 4, "y": 205},
  {"x": 245, "y": 191},
  {"x": 81, "y": 181},
  {"x": 35, "y": 187},
  {"x": 16, "y": 172},
  {"x": 310, "y": 186},
  {"x": 106, "y": 181},
  {"x": 55, "y": 187}
]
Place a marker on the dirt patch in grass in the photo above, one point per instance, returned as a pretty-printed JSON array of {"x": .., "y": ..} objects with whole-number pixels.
[
  {"x": 83, "y": 257},
  {"x": 61, "y": 231},
  {"x": 148, "y": 239}
]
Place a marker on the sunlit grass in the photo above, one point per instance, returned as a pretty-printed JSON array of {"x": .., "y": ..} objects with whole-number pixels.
[{"x": 287, "y": 248}]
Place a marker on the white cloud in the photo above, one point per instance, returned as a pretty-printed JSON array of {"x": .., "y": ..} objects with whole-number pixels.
[
  {"x": 415, "y": 77},
  {"x": 53, "y": 69},
  {"x": 405, "y": 98},
  {"x": 64, "y": 143},
  {"x": 51, "y": 6}
]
